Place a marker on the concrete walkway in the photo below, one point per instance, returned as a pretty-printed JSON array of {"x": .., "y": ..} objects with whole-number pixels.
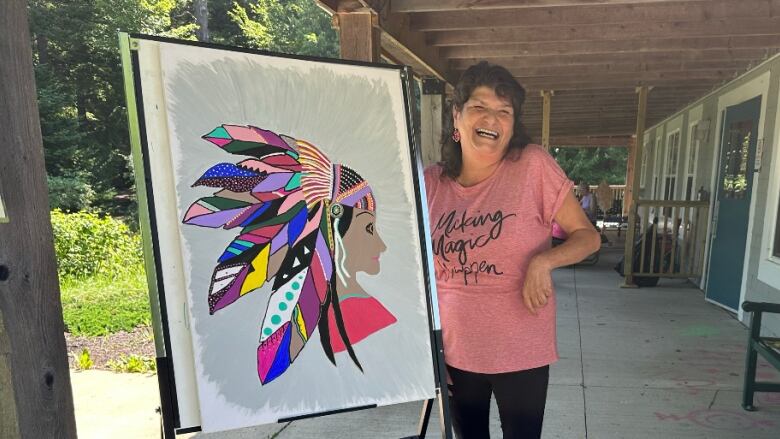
[{"x": 635, "y": 363}]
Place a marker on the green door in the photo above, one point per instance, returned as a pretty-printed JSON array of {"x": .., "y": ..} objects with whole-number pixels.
[{"x": 732, "y": 202}]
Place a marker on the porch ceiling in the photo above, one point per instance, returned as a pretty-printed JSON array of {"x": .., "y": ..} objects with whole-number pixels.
[{"x": 591, "y": 53}]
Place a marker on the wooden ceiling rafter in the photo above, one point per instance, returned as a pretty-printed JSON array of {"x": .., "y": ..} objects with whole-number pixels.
[
  {"x": 605, "y": 14},
  {"x": 592, "y": 53}
]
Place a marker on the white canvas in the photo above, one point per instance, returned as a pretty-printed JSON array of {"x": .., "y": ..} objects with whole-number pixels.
[{"x": 354, "y": 115}]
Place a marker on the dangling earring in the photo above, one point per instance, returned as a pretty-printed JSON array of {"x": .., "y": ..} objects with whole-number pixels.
[{"x": 456, "y": 135}]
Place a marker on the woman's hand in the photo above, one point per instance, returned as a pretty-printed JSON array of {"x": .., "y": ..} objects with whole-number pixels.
[{"x": 538, "y": 286}]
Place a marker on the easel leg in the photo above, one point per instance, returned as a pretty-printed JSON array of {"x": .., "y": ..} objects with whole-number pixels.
[
  {"x": 444, "y": 414},
  {"x": 425, "y": 417},
  {"x": 167, "y": 430}
]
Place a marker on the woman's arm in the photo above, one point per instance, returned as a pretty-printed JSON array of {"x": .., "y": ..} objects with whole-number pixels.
[{"x": 583, "y": 240}]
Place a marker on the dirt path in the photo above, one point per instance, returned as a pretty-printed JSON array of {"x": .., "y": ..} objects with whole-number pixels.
[{"x": 111, "y": 347}]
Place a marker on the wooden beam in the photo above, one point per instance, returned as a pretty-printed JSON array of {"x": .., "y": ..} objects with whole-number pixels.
[
  {"x": 628, "y": 46},
  {"x": 604, "y": 15},
  {"x": 622, "y": 85},
  {"x": 574, "y": 76},
  {"x": 606, "y": 123},
  {"x": 619, "y": 100},
  {"x": 550, "y": 32},
  {"x": 408, "y": 45},
  {"x": 359, "y": 36},
  {"x": 589, "y": 141},
  {"x": 397, "y": 40},
  {"x": 38, "y": 402},
  {"x": 596, "y": 111},
  {"x": 475, "y": 5},
  {"x": 632, "y": 188},
  {"x": 514, "y": 61},
  {"x": 629, "y": 67},
  {"x": 546, "y": 98}
]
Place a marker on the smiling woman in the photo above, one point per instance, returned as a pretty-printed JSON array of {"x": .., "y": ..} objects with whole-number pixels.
[{"x": 492, "y": 201}]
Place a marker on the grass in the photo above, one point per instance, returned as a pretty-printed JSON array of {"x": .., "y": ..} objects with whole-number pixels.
[{"x": 101, "y": 305}]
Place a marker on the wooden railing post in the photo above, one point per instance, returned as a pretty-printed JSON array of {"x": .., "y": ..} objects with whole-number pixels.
[
  {"x": 632, "y": 188},
  {"x": 547, "y": 103}
]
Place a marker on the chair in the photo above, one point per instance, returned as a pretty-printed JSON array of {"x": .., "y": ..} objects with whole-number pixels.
[{"x": 768, "y": 347}]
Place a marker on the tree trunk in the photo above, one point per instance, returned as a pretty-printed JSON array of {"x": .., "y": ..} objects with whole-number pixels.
[
  {"x": 37, "y": 403},
  {"x": 202, "y": 19},
  {"x": 42, "y": 46}
]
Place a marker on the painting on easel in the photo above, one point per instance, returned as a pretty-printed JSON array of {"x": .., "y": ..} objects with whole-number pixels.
[
  {"x": 305, "y": 225},
  {"x": 286, "y": 222}
]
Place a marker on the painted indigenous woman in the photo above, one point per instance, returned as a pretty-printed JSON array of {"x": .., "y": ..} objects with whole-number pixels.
[{"x": 304, "y": 224}]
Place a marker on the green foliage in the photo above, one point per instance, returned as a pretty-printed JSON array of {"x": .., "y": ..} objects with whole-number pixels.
[
  {"x": 133, "y": 364},
  {"x": 70, "y": 194},
  {"x": 592, "y": 165},
  {"x": 293, "y": 26},
  {"x": 84, "y": 361},
  {"x": 87, "y": 244},
  {"x": 81, "y": 94},
  {"x": 79, "y": 76},
  {"x": 101, "y": 305}
]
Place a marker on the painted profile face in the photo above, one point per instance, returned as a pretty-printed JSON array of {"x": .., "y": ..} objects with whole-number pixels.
[
  {"x": 362, "y": 243},
  {"x": 485, "y": 124}
]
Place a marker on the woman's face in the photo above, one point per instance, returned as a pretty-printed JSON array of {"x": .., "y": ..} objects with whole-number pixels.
[
  {"x": 485, "y": 123},
  {"x": 362, "y": 243}
]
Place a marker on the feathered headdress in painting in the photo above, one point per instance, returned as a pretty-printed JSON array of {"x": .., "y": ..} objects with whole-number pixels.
[{"x": 285, "y": 199}]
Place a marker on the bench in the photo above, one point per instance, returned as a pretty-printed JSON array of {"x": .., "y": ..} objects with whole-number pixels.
[{"x": 768, "y": 347}]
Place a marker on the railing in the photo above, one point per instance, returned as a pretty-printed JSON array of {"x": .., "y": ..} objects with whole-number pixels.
[
  {"x": 669, "y": 239},
  {"x": 613, "y": 203}
]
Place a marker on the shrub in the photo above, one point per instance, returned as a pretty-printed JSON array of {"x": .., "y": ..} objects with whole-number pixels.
[
  {"x": 133, "y": 364},
  {"x": 84, "y": 361},
  {"x": 87, "y": 244},
  {"x": 70, "y": 194}
]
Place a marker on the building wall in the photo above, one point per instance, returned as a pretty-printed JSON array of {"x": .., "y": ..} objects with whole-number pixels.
[{"x": 761, "y": 277}]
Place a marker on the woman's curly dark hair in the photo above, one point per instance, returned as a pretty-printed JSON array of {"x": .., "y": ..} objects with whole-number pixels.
[{"x": 504, "y": 85}]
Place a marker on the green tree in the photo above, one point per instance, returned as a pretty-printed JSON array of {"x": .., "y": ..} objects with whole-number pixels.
[
  {"x": 288, "y": 26},
  {"x": 80, "y": 80},
  {"x": 592, "y": 165},
  {"x": 81, "y": 94}
]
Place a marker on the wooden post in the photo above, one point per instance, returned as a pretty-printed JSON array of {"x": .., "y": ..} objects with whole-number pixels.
[
  {"x": 35, "y": 393},
  {"x": 431, "y": 109},
  {"x": 630, "y": 169},
  {"x": 633, "y": 187},
  {"x": 9, "y": 425},
  {"x": 359, "y": 35},
  {"x": 547, "y": 101}
]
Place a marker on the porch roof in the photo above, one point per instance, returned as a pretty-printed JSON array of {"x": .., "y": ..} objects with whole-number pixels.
[{"x": 591, "y": 53}]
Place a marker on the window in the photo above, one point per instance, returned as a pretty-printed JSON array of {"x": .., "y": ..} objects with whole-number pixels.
[
  {"x": 670, "y": 164},
  {"x": 656, "y": 166},
  {"x": 735, "y": 163},
  {"x": 776, "y": 247},
  {"x": 643, "y": 168},
  {"x": 693, "y": 153}
]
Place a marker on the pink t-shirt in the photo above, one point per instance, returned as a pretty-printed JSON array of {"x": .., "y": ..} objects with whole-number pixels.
[{"x": 483, "y": 239}]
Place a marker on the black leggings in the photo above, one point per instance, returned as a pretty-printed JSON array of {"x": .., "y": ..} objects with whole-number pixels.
[{"x": 520, "y": 397}]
